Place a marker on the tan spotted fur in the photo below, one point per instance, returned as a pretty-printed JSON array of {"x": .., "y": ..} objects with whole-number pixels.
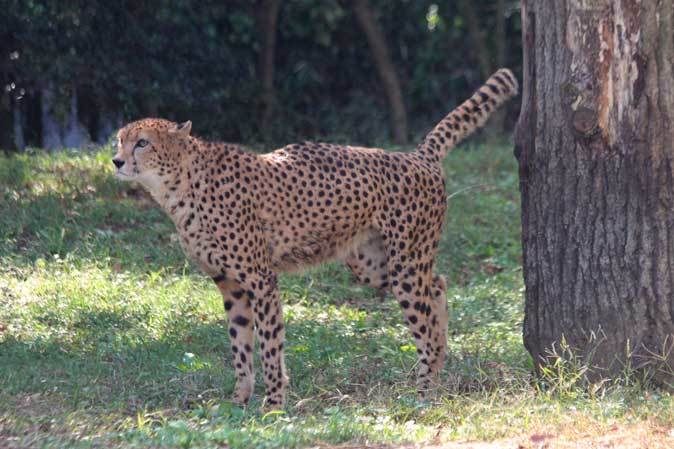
[{"x": 244, "y": 217}]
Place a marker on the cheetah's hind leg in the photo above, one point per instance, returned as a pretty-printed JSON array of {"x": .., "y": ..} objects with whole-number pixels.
[
  {"x": 421, "y": 295},
  {"x": 425, "y": 309}
]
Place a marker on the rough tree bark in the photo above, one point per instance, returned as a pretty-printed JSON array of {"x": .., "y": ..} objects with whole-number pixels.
[
  {"x": 385, "y": 68},
  {"x": 266, "y": 17},
  {"x": 594, "y": 144}
]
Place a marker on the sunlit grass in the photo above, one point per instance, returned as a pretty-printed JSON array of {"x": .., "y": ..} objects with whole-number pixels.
[{"x": 109, "y": 337}]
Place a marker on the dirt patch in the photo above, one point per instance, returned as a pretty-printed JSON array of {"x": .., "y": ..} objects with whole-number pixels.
[{"x": 641, "y": 436}]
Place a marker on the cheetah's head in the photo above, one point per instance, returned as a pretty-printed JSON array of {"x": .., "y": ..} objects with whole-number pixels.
[{"x": 149, "y": 150}]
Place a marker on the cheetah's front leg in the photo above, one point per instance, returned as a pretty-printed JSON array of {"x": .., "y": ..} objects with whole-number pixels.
[
  {"x": 271, "y": 335},
  {"x": 238, "y": 306}
]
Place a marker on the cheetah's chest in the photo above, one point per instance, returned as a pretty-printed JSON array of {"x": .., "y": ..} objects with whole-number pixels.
[{"x": 197, "y": 243}]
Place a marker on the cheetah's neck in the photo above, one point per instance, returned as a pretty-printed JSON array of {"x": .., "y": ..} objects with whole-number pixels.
[{"x": 172, "y": 194}]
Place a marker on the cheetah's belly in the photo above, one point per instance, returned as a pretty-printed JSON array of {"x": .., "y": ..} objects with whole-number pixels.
[{"x": 312, "y": 248}]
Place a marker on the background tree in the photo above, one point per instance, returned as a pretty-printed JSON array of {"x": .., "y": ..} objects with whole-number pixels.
[
  {"x": 385, "y": 68},
  {"x": 266, "y": 15},
  {"x": 486, "y": 28},
  {"x": 594, "y": 144},
  {"x": 227, "y": 65}
]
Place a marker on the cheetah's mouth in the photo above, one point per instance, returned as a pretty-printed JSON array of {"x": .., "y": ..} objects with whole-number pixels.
[{"x": 119, "y": 174}]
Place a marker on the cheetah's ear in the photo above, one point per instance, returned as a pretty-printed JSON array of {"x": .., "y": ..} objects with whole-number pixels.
[{"x": 183, "y": 128}]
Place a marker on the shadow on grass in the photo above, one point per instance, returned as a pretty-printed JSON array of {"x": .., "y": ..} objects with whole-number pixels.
[
  {"x": 126, "y": 229},
  {"x": 108, "y": 359}
]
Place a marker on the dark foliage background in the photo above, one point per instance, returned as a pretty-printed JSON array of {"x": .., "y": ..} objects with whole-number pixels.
[{"x": 107, "y": 62}]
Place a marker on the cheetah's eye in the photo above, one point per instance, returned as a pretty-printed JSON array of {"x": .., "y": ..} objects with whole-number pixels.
[{"x": 142, "y": 143}]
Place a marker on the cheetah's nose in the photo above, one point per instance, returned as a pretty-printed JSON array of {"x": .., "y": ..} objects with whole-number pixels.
[{"x": 118, "y": 163}]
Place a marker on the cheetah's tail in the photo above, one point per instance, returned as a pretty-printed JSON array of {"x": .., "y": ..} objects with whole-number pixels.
[{"x": 470, "y": 115}]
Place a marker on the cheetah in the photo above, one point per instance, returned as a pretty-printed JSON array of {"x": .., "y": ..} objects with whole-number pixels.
[{"x": 243, "y": 218}]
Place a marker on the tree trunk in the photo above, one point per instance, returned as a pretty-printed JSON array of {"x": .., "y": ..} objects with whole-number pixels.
[
  {"x": 594, "y": 144},
  {"x": 75, "y": 134},
  {"x": 17, "y": 115},
  {"x": 108, "y": 124},
  {"x": 51, "y": 128},
  {"x": 266, "y": 18},
  {"x": 385, "y": 68},
  {"x": 500, "y": 34},
  {"x": 500, "y": 44},
  {"x": 60, "y": 129},
  {"x": 478, "y": 40},
  {"x": 485, "y": 62}
]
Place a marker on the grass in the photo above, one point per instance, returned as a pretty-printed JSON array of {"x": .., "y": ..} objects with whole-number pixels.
[{"x": 109, "y": 337}]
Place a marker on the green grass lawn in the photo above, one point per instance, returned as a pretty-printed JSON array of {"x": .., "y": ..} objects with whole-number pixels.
[{"x": 110, "y": 337}]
